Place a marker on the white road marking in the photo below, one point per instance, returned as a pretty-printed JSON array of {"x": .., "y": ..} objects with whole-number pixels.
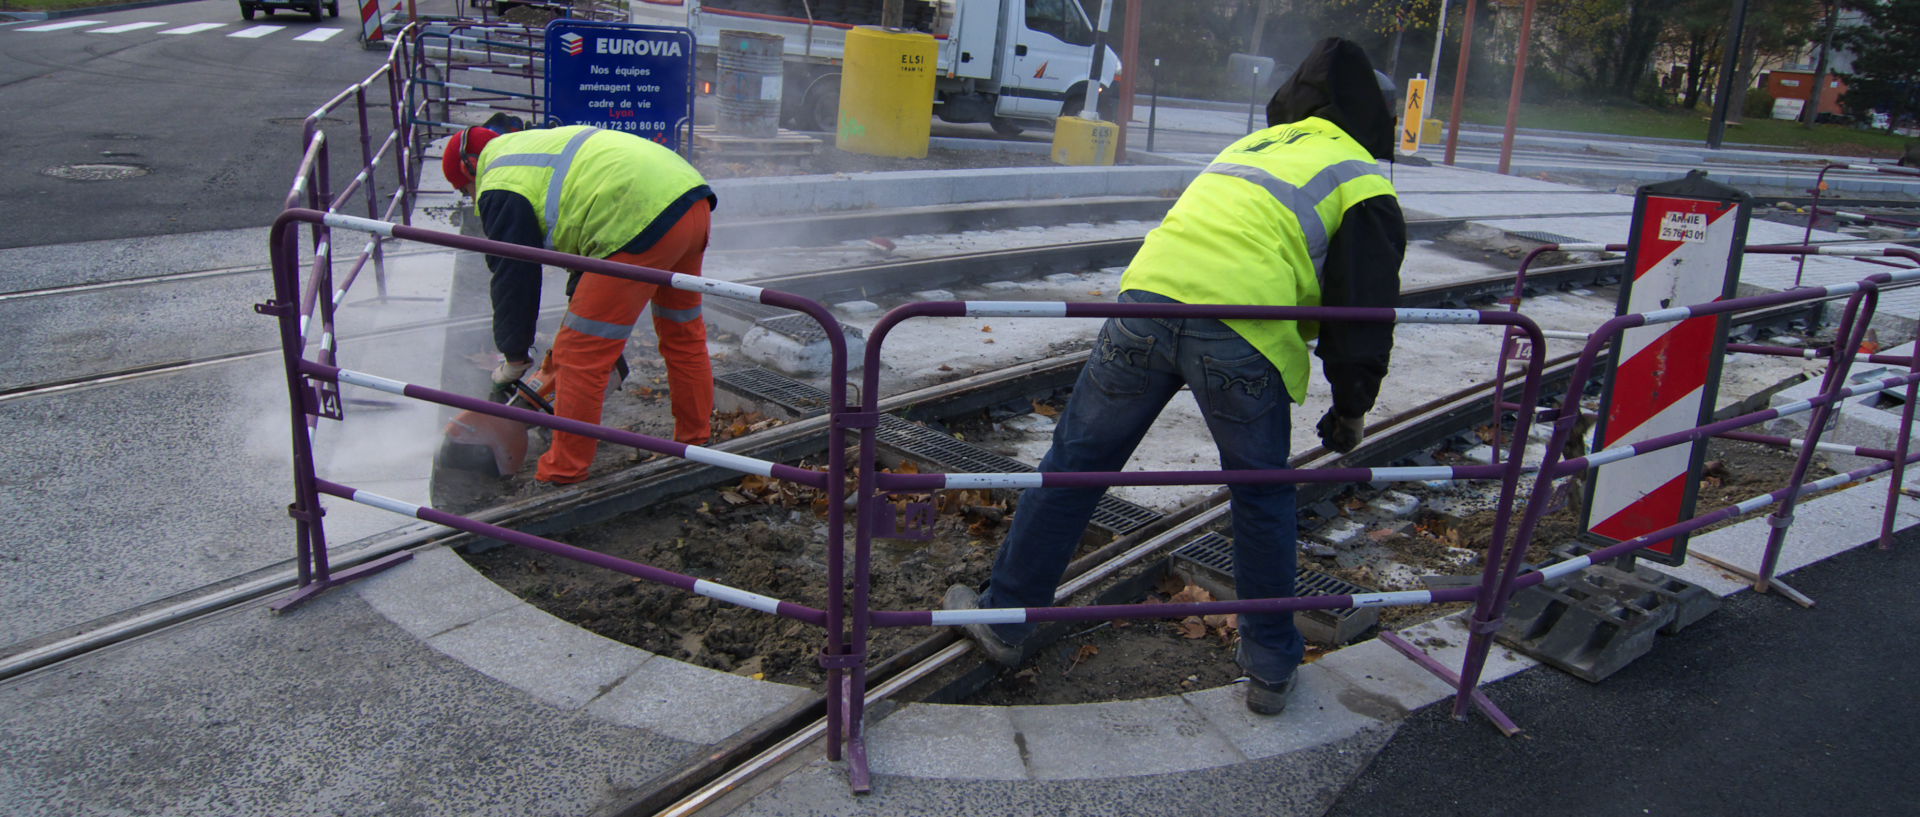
[
  {"x": 125, "y": 27},
  {"x": 58, "y": 26},
  {"x": 318, "y": 35},
  {"x": 256, "y": 32},
  {"x": 194, "y": 29}
]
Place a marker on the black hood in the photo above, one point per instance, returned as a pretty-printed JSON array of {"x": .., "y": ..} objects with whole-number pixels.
[{"x": 1336, "y": 82}]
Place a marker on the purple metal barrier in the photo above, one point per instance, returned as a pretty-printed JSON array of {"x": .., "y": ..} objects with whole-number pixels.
[
  {"x": 313, "y": 391},
  {"x": 1862, "y": 296},
  {"x": 1820, "y": 185},
  {"x": 1510, "y": 348},
  {"x": 874, "y": 485}
]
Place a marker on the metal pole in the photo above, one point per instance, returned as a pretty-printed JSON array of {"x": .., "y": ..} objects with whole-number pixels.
[
  {"x": 1253, "y": 97},
  {"x": 1091, "y": 109},
  {"x": 1129, "y": 67},
  {"x": 1519, "y": 82},
  {"x": 1433, "y": 71},
  {"x": 891, "y": 13},
  {"x": 1718, "y": 129},
  {"x": 1459, "y": 83},
  {"x": 1153, "y": 104}
]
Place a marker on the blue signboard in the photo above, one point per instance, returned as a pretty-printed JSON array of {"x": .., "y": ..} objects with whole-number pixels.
[{"x": 621, "y": 76}]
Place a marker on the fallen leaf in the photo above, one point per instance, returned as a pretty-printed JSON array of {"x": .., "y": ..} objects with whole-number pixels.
[
  {"x": 989, "y": 340},
  {"x": 1085, "y": 652},
  {"x": 1193, "y": 627},
  {"x": 945, "y": 368},
  {"x": 733, "y": 498},
  {"x": 986, "y": 328},
  {"x": 1045, "y": 410}
]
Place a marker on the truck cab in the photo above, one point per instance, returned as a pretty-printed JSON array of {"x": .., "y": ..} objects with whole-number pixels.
[{"x": 1011, "y": 63}]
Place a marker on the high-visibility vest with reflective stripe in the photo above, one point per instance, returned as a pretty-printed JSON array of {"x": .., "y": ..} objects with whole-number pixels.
[
  {"x": 592, "y": 190},
  {"x": 1253, "y": 229}
]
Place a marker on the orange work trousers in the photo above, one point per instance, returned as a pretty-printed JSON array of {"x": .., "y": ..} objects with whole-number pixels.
[{"x": 602, "y": 314}]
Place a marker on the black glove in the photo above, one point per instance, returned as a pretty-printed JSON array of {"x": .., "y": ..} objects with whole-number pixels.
[{"x": 1339, "y": 432}]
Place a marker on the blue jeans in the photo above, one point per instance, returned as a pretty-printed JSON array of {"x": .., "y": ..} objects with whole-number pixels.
[{"x": 1137, "y": 365}]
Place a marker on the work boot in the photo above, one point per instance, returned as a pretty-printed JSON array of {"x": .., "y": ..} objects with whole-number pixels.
[
  {"x": 995, "y": 648},
  {"x": 1264, "y": 698}
]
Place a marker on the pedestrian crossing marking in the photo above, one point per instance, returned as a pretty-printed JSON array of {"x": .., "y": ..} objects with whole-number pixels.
[
  {"x": 67, "y": 24},
  {"x": 194, "y": 29},
  {"x": 318, "y": 35},
  {"x": 123, "y": 27},
  {"x": 256, "y": 32}
]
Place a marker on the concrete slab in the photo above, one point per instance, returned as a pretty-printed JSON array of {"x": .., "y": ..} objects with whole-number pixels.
[{"x": 1133, "y": 739}]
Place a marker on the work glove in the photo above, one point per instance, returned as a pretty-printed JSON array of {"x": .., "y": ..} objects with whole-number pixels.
[
  {"x": 509, "y": 371},
  {"x": 1340, "y": 432}
]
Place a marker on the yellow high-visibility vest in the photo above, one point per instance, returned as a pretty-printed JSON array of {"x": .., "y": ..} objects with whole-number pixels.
[
  {"x": 1253, "y": 229},
  {"x": 593, "y": 190}
]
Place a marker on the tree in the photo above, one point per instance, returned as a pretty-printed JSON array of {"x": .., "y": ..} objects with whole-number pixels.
[{"x": 1886, "y": 63}]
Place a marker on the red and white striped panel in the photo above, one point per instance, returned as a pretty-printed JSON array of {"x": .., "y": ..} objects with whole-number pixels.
[
  {"x": 370, "y": 25},
  {"x": 1682, "y": 256}
]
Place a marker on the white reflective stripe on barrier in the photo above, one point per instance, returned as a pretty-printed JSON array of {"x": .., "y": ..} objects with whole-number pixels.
[
  {"x": 1678, "y": 313},
  {"x": 1599, "y": 458},
  {"x": 368, "y": 381},
  {"x": 339, "y": 297},
  {"x": 1754, "y": 504},
  {"x": 992, "y": 615},
  {"x": 326, "y": 340},
  {"x": 1436, "y": 315},
  {"x": 733, "y": 595},
  {"x": 695, "y": 283},
  {"x": 993, "y": 480},
  {"x": 1555, "y": 571},
  {"x": 1904, "y": 275},
  {"x": 1393, "y": 599},
  {"x": 1794, "y": 408},
  {"x": 1834, "y": 481},
  {"x": 1837, "y": 290},
  {"x": 323, "y": 248},
  {"x": 1854, "y": 216},
  {"x": 1580, "y": 247},
  {"x": 732, "y": 462},
  {"x": 365, "y": 225},
  {"x": 1016, "y": 309},
  {"x": 1850, "y": 251},
  {"x": 1563, "y": 334},
  {"x": 386, "y": 503},
  {"x": 1410, "y": 473}
]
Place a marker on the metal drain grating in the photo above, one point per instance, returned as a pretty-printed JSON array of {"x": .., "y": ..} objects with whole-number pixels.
[
  {"x": 1114, "y": 515},
  {"x": 765, "y": 386},
  {"x": 1208, "y": 562},
  {"x": 801, "y": 328},
  {"x": 1548, "y": 238}
]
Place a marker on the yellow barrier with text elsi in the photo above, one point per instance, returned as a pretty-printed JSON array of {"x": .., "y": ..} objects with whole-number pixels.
[
  {"x": 1078, "y": 141},
  {"x": 886, "y": 93},
  {"x": 1410, "y": 122}
]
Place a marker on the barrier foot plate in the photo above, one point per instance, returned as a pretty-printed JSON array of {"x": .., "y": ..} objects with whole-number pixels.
[
  {"x": 1480, "y": 700},
  {"x": 339, "y": 577},
  {"x": 1774, "y": 583},
  {"x": 857, "y": 771}
]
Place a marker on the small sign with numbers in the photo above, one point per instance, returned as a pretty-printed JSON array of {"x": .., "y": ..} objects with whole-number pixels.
[{"x": 1676, "y": 226}]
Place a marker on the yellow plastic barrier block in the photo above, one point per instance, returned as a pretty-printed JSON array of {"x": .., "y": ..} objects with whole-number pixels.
[
  {"x": 1430, "y": 131},
  {"x": 886, "y": 93},
  {"x": 1079, "y": 141}
]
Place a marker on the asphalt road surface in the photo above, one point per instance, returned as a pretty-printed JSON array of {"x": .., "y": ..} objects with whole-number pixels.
[
  {"x": 204, "y": 106},
  {"x": 1762, "y": 708}
]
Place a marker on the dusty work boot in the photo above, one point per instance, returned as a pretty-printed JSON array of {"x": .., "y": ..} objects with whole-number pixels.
[
  {"x": 995, "y": 648},
  {"x": 1264, "y": 698}
]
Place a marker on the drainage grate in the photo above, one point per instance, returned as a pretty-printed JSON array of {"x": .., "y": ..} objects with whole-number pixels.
[
  {"x": 802, "y": 328},
  {"x": 1114, "y": 515},
  {"x": 764, "y": 386},
  {"x": 95, "y": 172},
  {"x": 1548, "y": 238},
  {"x": 1208, "y": 561}
]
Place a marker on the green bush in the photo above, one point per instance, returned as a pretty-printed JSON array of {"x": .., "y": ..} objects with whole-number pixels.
[{"x": 1759, "y": 104}]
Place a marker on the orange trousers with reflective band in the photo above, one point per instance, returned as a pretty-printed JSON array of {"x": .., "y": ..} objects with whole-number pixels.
[{"x": 590, "y": 340}]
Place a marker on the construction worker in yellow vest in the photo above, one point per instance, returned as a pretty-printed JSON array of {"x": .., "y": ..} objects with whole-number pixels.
[
  {"x": 601, "y": 194},
  {"x": 1296, "y": 214}
]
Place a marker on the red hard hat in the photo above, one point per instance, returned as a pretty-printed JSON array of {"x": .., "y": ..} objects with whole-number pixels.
[{"x": 463, "y": 155}]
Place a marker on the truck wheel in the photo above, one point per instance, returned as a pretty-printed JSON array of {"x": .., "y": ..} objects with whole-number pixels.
[
  {"x": 820, "y": 111},
  {"x": 1109, "y": 104},
  {"x": 246, "y": 11},
  {"x": 315, "y": 9},
  {"x": 333, "y": 9},
  {"x": 1006, "y": 127}
]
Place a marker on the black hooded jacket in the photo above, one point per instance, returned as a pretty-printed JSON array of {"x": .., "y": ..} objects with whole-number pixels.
[{"x": 1336, "y": 82}]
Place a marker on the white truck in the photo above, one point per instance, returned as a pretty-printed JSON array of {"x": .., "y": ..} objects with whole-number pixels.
[{"x": 1010, "y": 63}]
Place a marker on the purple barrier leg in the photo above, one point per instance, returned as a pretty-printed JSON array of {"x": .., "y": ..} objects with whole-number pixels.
[
  {"x": 1898, "y": 479},
  {"x": 1852, "y": 333}
]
